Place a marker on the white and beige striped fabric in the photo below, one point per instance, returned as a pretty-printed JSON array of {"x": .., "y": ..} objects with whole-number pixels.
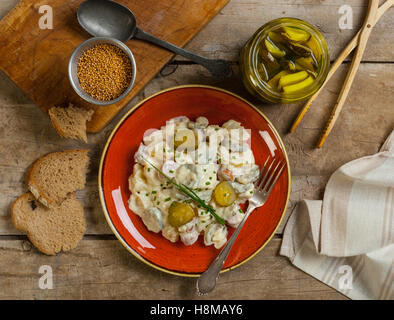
[{"x": 347, "y": 240}]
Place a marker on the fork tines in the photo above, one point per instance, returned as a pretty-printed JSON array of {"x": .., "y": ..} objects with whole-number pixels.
[{"x": 266, "y": 175}]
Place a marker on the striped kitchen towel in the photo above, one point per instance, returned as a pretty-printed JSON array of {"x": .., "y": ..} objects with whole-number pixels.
[{"x": 347, "y": 240}]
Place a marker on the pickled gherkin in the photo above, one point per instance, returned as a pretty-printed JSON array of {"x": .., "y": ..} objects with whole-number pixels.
[
  {"x": 289, "y": 59},
  {"x": 312, "y": 43},
  {"x": 307, "y": 64},
  {"x": 180, "y": 213},
  {"x": 300, "y": 49},
  {"x": 292, "y": 78},
  {"x": 295, "y": 34},
  {"x": 268, "y": 65},
  {"x": 276, "y": 37},
  {"x": 224, "y": 194},
  {"x": 298, "y": 85},
  {"x": 274, "y": 49},
  {"x": 274, "y": 81},
  {"x": 280, "y": 48}
]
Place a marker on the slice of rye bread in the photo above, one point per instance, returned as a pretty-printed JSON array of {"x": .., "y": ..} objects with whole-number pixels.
[
  {"x": 70, "y": 122},
  {"x": 54, "y": 176},
  {"x": 50, "y": 230}
]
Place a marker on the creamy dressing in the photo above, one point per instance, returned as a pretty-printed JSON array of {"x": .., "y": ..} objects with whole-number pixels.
[{"x": 223, "y": 154}]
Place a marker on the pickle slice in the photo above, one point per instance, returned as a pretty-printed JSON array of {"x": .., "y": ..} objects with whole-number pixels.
[
  {"x": 268, "y": 66},
  {"x": 300, "y": 49},
  {"x": 276, "y": 37},
  {"x": 292, "y": 78},
  {"x": 291, "y": 65},
  {"x": 314, "y": 46},
  {"x": 294, "y": 34},
  {"x": 274, "y": 81},
  {"x": 274, "y": 49},
  {"x": 310, "y": 71},
  {"x": 265, "y": 55},
  {"x": 180, "y": 213},
  {"x": 307, "y": 64},
  {"x": 224, "y": 194},
  {"x": 287, "y": 64},
  {"x": 268, "y": 57},
  {"x": 298, "y": 86}
]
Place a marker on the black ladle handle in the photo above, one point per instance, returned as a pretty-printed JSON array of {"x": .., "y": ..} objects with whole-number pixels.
[{"x": 218, "y": 68}]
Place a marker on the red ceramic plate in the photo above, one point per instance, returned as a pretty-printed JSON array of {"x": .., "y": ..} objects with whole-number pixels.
[{"x": 118, "y": 159}]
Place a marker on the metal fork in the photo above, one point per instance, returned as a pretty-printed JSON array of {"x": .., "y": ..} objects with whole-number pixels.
[{"x": 269, "y": 175}]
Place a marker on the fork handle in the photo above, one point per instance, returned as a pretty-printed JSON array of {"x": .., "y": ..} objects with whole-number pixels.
[{"x": 207, "y": 281}]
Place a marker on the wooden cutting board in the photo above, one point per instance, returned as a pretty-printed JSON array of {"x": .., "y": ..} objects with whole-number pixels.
[{"x": 36, "y": 60}]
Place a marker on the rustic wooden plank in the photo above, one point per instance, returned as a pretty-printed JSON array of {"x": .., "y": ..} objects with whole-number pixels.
[
  {"x": 26, "y": 134},
  {"x": 237, "y": 22},
  {"x": 241, "y": 18},
  {"x": 6, "y": 6},
  {"x": 366, "y": 121},
  {"x": 103, "y": 269},
  {"x": 39, "y": 66}
]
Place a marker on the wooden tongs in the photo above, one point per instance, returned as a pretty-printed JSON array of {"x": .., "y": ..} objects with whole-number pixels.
[{"x": 374, "y": 13}]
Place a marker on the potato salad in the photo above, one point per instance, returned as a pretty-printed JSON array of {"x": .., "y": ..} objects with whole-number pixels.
[{"x": 215, "y": 162}]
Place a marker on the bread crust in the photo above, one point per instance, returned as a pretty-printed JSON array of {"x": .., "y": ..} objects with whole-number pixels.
[
  {"x": 55, "y": 123},
  {"x": 58, "y": 127},
  {"x": 32, "y": 185},
  {"x": 14, "y": 222},
  {"x": 37, "y": 239}
]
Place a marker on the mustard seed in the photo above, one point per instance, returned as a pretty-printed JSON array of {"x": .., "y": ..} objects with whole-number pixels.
[{"x": 104, "y": 72}]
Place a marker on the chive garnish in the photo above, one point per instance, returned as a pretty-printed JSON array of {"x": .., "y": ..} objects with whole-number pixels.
[{"x": 190, "y": 193}]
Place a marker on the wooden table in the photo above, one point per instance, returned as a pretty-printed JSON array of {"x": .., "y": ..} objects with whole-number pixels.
[{"x": 100, "y": 267}]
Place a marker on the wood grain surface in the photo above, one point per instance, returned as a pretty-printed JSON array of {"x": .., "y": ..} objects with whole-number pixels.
[
  {"x": 366, "y": 120},
  {"x": 121, "y": 276},
  {"x": 36, "y": 60},
  {"x": 241, "y": 18}
]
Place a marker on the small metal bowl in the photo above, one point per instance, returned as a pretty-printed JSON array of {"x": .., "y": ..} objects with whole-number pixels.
[{"x": 73, "y": 66}]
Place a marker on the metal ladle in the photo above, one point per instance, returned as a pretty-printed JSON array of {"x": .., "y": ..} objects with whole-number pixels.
[{"x": 103, "y": 18}]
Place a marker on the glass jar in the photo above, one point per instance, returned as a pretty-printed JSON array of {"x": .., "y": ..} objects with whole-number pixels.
[{"x": 257, "y": 78}]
